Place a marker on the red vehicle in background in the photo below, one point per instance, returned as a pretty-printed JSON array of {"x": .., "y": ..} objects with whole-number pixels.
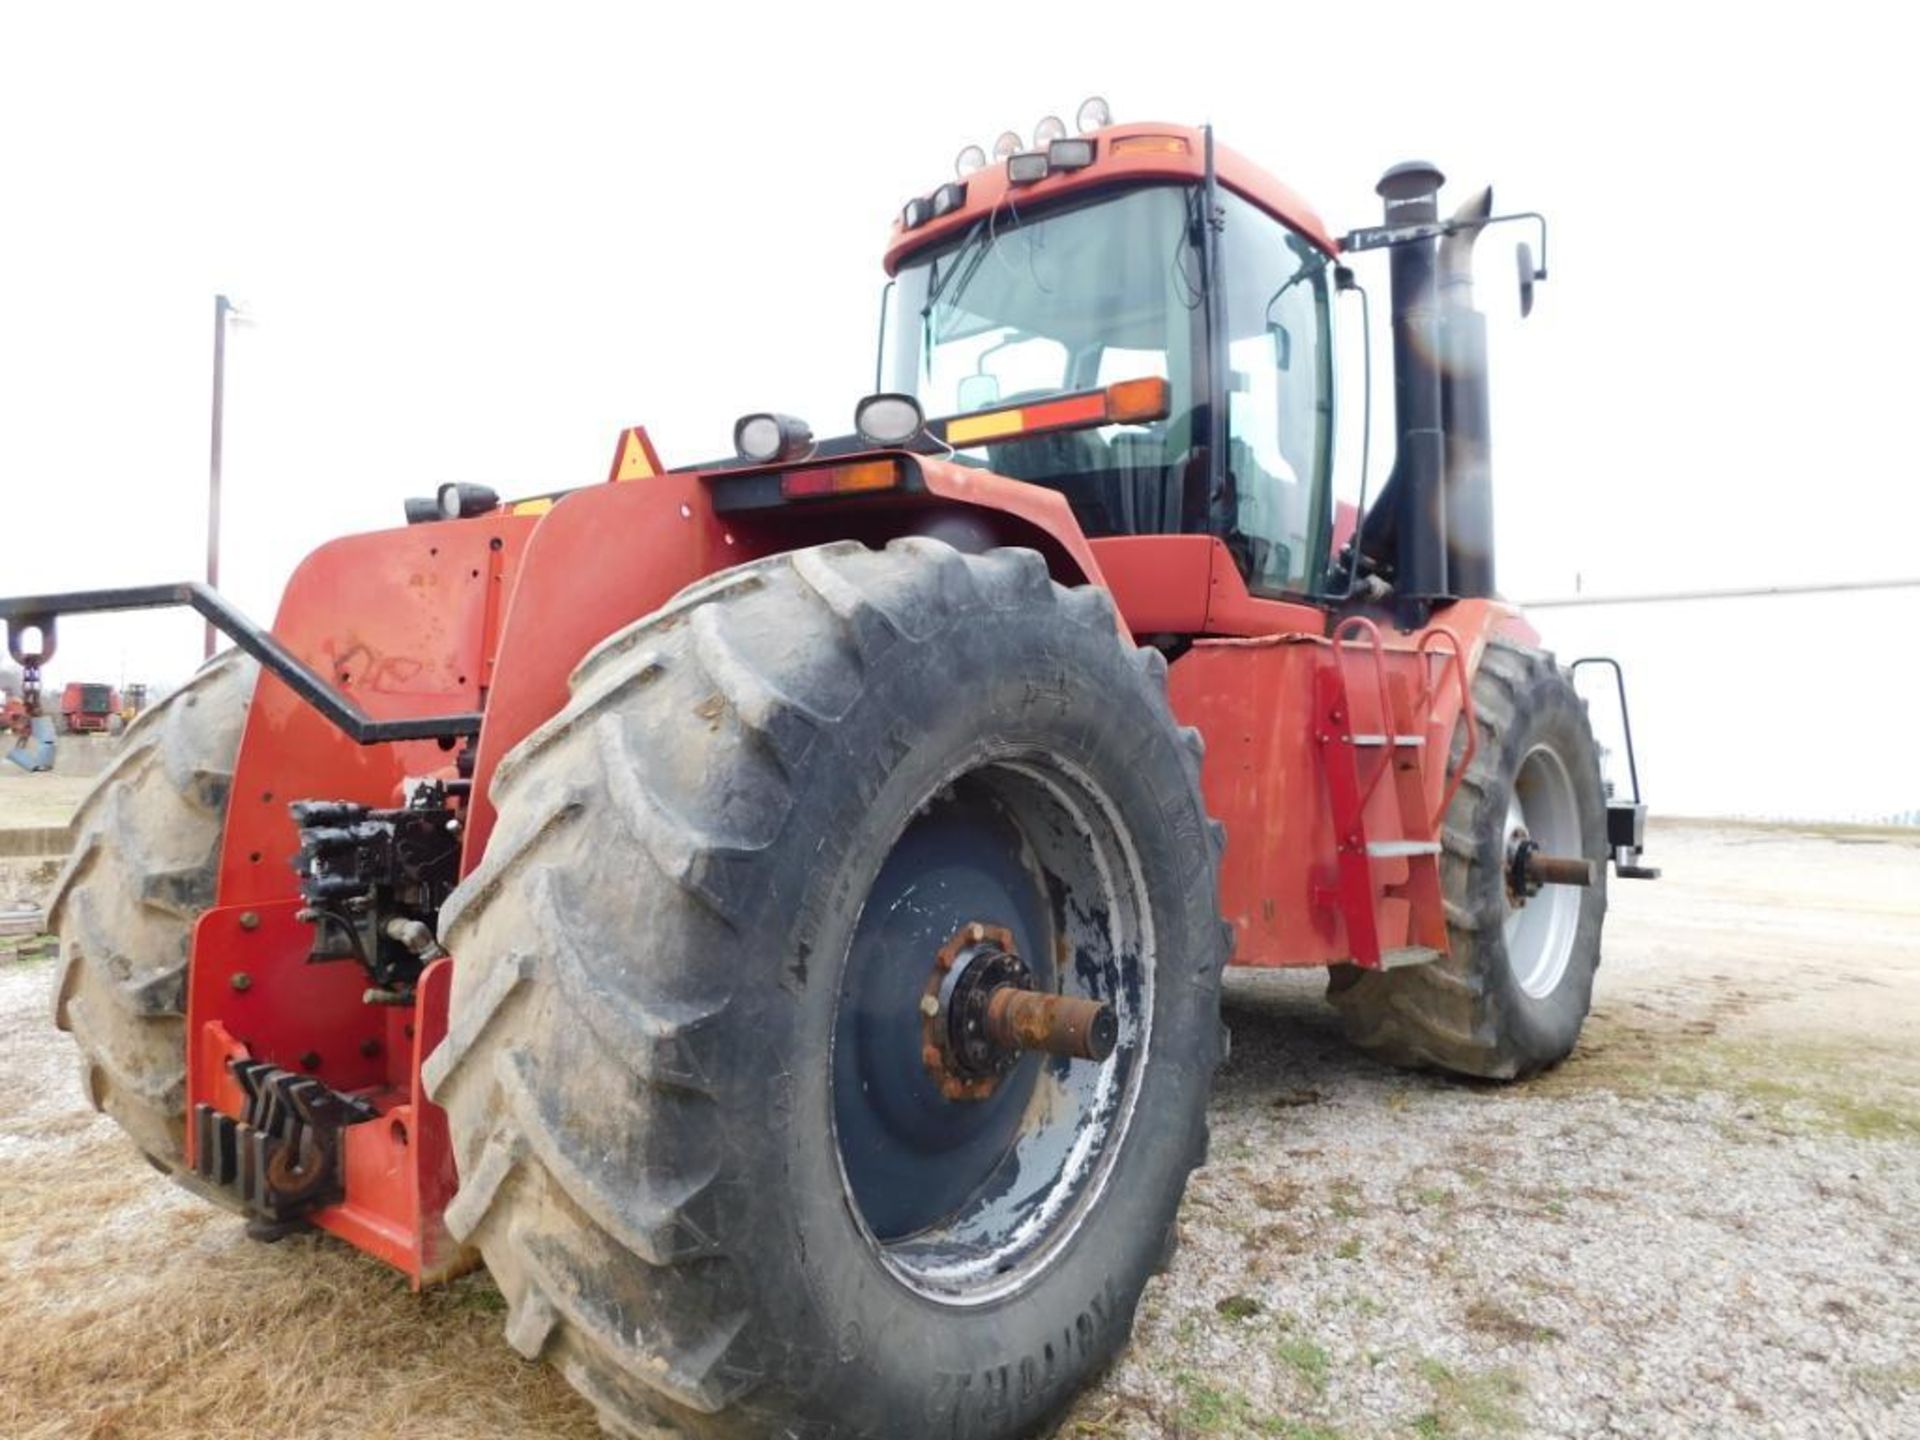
[{"x": 86, "y": 708}]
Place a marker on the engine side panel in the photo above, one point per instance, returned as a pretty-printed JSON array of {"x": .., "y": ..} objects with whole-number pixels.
[{"x": 1252, "y": 699}]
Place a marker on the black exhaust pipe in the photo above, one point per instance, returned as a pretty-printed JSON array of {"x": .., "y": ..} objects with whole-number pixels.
[
  {"x": 1408, "y": 522},
  {"x": 1468, "y": 480}
]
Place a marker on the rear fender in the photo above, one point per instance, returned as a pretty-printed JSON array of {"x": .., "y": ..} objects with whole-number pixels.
[{"x": 605, "y": 556}]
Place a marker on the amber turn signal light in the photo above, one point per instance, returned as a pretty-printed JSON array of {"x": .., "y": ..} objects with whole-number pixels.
[{"x": 861, "y": 477}]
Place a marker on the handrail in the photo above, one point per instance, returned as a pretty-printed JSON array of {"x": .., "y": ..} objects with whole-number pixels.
[
  {"x": 1386, "y": 705},
  {"x": 1430, "y": 693},
  {"x": 1626, "y": 724}
]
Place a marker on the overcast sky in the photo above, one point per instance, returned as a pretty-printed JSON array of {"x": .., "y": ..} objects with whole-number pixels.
[{"x": 477, "y": 243}]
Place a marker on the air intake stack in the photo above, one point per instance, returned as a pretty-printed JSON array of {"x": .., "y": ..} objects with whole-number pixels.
[{"x": 1468, "y": 477}]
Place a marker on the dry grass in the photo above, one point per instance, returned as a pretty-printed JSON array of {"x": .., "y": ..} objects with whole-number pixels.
[{"x": 131, "y": 1309}]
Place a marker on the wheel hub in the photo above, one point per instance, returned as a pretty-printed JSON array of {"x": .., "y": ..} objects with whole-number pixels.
[
  {"x": 1003, "y": 943},
  {"x": 979, "y": 1013}
]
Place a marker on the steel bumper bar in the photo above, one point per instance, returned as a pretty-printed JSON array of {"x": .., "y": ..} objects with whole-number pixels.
[{"x": 39, "y": 613}]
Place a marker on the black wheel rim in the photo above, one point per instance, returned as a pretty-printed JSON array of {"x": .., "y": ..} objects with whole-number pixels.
[{"x": 967, "y": 1199}]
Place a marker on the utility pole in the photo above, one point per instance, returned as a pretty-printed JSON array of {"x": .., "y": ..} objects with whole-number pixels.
[{"x": 223, "y": 309}]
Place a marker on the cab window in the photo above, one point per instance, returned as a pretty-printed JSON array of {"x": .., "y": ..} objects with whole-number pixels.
[
  {"x": 1022, "y": 308},
  {"x": 1276, "y": 292}
]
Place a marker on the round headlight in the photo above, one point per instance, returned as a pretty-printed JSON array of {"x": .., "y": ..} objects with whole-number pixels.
[
  {"x": 1007, "y": 144},
  {"x": 458, "y": 500},
  {"x": 766, "y": 437},
  {"x": 888, "y": 419},
  {"x": 1093, "y": 115},
  {"x": 1050, "y": 129},
  {"x": 969, "y": 160}
]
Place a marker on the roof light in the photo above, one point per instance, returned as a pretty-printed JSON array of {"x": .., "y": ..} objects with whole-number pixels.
[
  {"x": 1007, "y": 146},
  {"x": 1026, "y": 167},
  {"x": 1070, "y": 154},
  {"x": 864, "y": 476},
  {"x": 461, "y": 501},
  {"x": 916, "y": 213},
  {"x": 969, "y": 160},
  {"x": 1050, "y": 129},
  {"x": 1093, "y": 115},
  {"x": 888, "y": 418},
  {"x": 766, "y": 437},
  {"x": 949, "y": 198},
  {"x": 1149, "y": 145},
  {"x": 1126, "y": 402}
]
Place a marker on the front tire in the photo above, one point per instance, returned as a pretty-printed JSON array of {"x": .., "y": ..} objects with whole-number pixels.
[
  {"x": 1512, "y": 995},
  {"x": 685, "y": 1123}
]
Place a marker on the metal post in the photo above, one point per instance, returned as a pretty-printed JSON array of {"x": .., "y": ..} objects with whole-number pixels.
[{"x": 221, "y": 308}]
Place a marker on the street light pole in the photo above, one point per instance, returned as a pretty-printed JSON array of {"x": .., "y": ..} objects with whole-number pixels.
[{"x": 222, "y": 308}]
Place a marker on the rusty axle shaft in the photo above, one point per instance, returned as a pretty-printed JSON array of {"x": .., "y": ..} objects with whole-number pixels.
[
  {"x": 1559, "y": 869},
  {"x": 1057, "y": 1024}
]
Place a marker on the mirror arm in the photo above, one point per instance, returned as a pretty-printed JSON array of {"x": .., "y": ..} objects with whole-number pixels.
[{"x": 1381, "y": 237}]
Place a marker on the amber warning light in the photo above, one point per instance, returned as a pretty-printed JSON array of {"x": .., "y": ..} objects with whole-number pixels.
[
  {"x": 863, "y": 475},
  {"x": 1125, "y": 402}
]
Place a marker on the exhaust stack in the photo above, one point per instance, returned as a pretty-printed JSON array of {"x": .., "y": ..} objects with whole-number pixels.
[
  {"x": 1432, "y": 527},
  {"x": 1414, "y": 493}
]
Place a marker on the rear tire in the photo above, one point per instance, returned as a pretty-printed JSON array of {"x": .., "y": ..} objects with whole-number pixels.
[
  {"x": 141, "y": 872},
  {"x": 1511, "y": 997},
  {"x": 650, "y": 1072}
]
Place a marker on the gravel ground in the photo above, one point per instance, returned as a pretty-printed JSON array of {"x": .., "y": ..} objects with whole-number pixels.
[{"x": 1707, "y": 1223}]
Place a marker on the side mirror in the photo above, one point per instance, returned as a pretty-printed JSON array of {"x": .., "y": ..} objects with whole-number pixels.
[
  {"x": 1523, "y": 258},
  {"x": 977, "y": 392}
]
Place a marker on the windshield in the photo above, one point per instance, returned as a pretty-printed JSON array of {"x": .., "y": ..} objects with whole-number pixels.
[{"x": 1079, "y": 298}]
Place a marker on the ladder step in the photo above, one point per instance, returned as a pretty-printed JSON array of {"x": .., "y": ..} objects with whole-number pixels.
[
  {"x": 1407, "y": 955},
  {"x": 1399, "y": 849},
  {"x": 1376, "y": 742}
]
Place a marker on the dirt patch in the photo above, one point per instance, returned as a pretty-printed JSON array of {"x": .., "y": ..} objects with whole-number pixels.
[
  {"x": 39, "y": 800},
  {"x": 1708, "y": 1223},
  {"x": 132, "y": 1309}
]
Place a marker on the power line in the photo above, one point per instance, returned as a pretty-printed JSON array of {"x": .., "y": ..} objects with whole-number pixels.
[{"x": 1746, "y": 592}]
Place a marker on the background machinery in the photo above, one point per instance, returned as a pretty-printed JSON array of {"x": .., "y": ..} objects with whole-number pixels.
[
  {"x": 772, "y": 911},
  {"x": 87, "y": 708}
]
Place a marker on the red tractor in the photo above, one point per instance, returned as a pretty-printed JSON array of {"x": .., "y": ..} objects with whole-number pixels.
[
  {"x": 88, "y": 709},
  {"x": 772, "y": 911}
]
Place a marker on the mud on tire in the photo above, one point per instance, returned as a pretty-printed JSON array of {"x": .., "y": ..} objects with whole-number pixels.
[
  {"x": 142, "y": 870},
  {"x": 639, "y": 1071},
  {"x": 1486, "y": 1010}
]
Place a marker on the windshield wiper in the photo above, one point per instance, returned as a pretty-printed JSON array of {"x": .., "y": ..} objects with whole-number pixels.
[{"x": 970, "y": 252}]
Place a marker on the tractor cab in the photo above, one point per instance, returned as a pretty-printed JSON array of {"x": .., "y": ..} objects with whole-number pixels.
[{"x": 1106, "y": 270}]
